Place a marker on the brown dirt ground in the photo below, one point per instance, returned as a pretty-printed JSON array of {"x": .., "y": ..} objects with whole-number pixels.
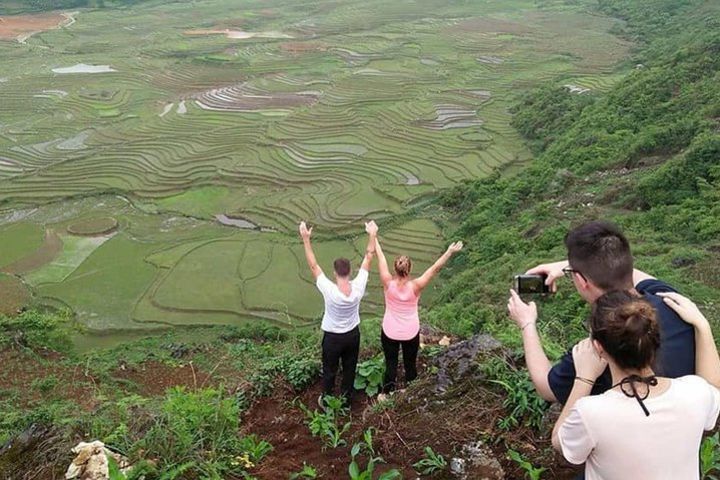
[
  {"x": 50, "y": 248},
  {"x": 153, "y": 378},
  {"x": 13, "y": 26},
  {"x": 20, "y": 369}
]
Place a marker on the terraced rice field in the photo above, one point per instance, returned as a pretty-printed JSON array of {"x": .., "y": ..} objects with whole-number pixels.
[{"x": 197, "y": 134}]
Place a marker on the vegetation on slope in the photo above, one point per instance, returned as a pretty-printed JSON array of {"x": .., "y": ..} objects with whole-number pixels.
[{"x": 645, "y": 156}]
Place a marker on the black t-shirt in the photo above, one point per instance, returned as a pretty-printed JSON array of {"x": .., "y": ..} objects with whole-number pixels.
[{"x": 675, "y": 358}]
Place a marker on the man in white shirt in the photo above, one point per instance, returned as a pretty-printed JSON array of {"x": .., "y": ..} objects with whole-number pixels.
[{"x": 341, "y": 320}]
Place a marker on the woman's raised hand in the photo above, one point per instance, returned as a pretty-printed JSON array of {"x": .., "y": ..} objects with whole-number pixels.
[
  {"x": 371, "y": 227},
  {"x": 305, "y": 232},
  {"x": 684, "y": 307},
  {"x": 455, "y": 247}
]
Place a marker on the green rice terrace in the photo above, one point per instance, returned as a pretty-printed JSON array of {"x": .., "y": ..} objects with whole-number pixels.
[{"x": 155, "y": 159}]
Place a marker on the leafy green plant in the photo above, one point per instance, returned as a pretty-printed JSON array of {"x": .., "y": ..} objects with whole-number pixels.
[
  {"x": 307, "y": 472},
  {"x": 255, "y": 448},
  {"x": 302, "y": 372},
  {"x": 369, "y": 376},
  {"x": 327, "y": 424},
  {"x": 531, "y": 472},
  {"x": 431, "y": 463},
  {"x": 366, "y": 448},
  {"x": 710, "y": 457},
  {"x": 524, "y": 405}
]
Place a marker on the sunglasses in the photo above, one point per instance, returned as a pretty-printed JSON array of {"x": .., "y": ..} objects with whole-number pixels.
[{"x": 568, "y": 272}]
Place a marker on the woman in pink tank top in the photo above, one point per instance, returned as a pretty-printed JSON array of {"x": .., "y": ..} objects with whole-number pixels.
[{"x": 401, "y": 323}]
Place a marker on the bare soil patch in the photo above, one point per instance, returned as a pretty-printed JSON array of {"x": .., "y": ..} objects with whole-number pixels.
[
  {"x": 154, "y": 378},
  {"x": 18, "y": 26},
  {"x": 20, "y": 370},
  {"x": 302, "y": 47}
]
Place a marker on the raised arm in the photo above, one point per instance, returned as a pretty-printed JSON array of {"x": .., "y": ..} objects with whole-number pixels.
[
  {"x": 385, "y": 275},
  {"x": 305, "y": 233},
  {"x": 371, "y": 228},
  {"x": 421, "y": 282},
  {"x": 538, "y": 364},
  {"x": 707, "y": 361}
]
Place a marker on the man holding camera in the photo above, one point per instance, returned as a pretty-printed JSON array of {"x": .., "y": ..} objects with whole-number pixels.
[{"x": 599, "y": 261}]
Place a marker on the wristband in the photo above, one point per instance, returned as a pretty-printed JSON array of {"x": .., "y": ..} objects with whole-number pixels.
[
  {"x": 530, "y": 322},
  {"x": 585, "y": 380}
]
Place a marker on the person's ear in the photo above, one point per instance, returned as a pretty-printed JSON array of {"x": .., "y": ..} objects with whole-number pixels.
[{"x": 598, "y": 348}]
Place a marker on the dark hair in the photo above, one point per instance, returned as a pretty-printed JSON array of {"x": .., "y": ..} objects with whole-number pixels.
[
  {"x": 342, "y": 267},
  {"x": 403, "y": 265},
  {"x": 627, "y": 328},
  {"x": 600, "y": 251}
]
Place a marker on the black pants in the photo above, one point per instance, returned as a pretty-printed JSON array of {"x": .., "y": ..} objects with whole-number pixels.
[
  {"x": 391, "y": 349},
  {"x": 337, "y": 348}
]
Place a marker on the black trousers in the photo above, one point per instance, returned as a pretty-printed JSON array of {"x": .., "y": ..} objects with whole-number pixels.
[
  {"x": 340, "y": 348},
  {"x": 391, "y": 349}
]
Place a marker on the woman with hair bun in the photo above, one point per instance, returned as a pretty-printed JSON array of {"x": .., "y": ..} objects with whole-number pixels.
[
  {"x": 644, "y": 427},
  {"x": 401, "y": 323}
]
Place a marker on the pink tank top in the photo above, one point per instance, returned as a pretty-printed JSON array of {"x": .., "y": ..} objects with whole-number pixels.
[{"x": 401, "y": 320}]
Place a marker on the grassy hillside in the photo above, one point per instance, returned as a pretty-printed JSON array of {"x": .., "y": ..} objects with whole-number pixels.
[{"x": 645, "y": 155}]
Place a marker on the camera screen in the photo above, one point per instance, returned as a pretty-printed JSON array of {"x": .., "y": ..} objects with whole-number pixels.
[{"x": 532, "y": 284}]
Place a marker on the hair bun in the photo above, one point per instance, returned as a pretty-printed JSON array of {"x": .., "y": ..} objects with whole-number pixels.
[{"x": 637, "y": 317}]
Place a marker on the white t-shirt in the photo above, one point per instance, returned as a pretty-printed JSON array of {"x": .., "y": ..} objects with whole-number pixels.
[
  {"x": 612, "y": 434},
  {"x": 342, "y": 312}
]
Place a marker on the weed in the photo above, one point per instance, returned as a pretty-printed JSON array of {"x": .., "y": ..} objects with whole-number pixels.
[
  {"x": 531, "y": 472},
  {"x": 255, "y": 449},
  {"x": 366, "y": 447},
  {"x": 431, "y": 463},
  {"x": 307, "y": 472},
  {"x": 710, "y": 457},
  {"x": 369, "y": 376},
  {"x": 326, "y": 424},
  {"x": 524, "y": 405},
  {"x": 45, "y": 385}
]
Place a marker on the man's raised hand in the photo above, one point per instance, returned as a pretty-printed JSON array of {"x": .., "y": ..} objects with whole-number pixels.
[
  {"x": 523, "y": 313},
  {"x": 455, "y": 247},
  {"x": 305, "y": 232},
  {"x": 371, "y": 227},
  {"x": 552, "y": 270}
]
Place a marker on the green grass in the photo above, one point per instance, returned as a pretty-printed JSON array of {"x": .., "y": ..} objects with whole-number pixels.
[{"x": 19, "y": 240}]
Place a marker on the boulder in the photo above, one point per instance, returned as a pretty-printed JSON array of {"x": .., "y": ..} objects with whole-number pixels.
[
  {"x": 476, "y": 461},
  {"x": 461, "y": 359},
  {"x": 91, "y": 462}
]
